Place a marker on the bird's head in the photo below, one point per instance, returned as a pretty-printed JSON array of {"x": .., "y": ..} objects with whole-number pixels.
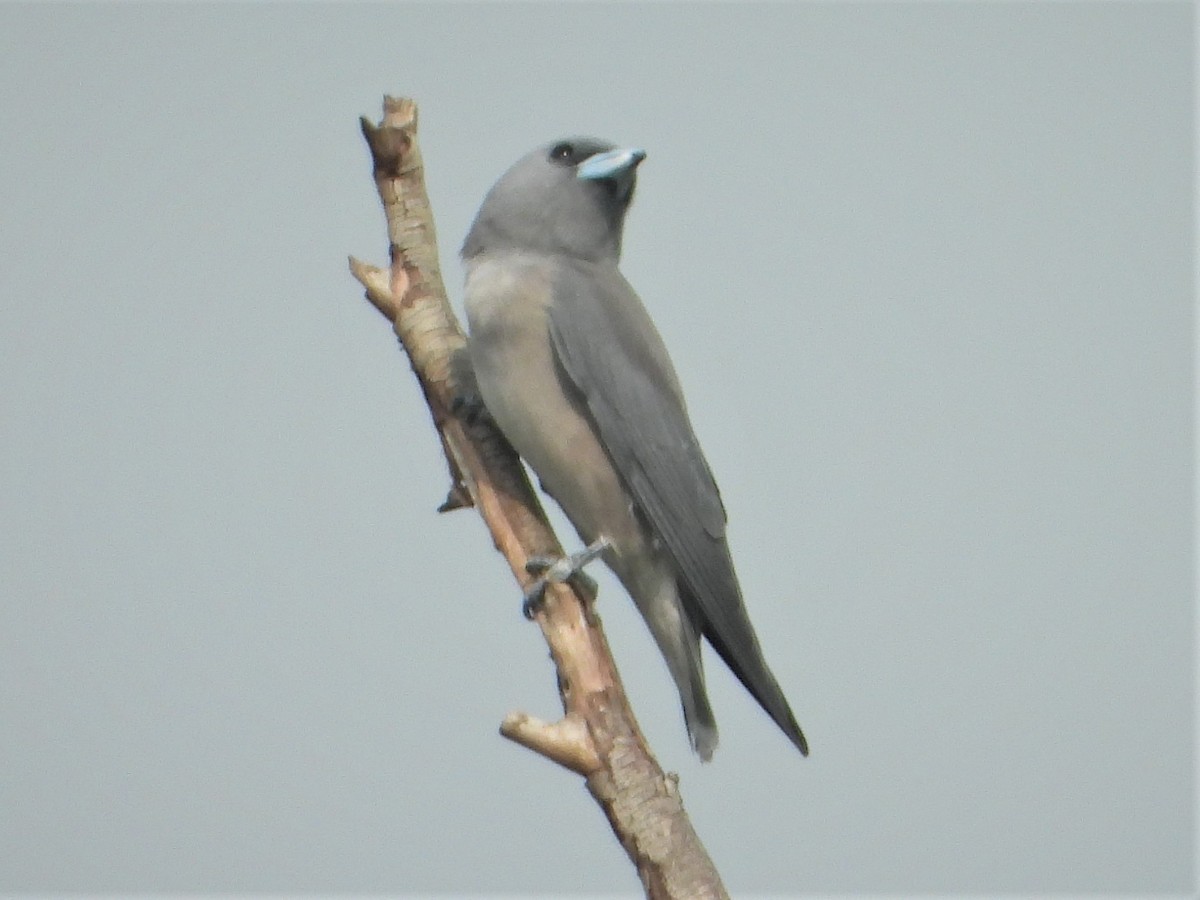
[{"x": 568, "y": 197}]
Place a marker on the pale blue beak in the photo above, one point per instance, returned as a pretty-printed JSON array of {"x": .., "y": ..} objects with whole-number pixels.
[{"x": 610, "y": 164}]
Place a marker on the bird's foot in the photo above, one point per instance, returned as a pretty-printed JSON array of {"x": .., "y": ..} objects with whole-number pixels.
[
  {"x": 470, "y": 408},
  {"x": 568, "y": 568}
]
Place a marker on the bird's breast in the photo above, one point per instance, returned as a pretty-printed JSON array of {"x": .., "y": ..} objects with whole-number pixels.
[{"x": 542, "y": 416}]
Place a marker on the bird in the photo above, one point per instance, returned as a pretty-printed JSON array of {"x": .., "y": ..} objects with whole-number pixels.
[{"x": 572, "y": 370}]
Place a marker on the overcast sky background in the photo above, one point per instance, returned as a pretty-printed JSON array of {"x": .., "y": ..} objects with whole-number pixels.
[{"x": 926, "y": 272}]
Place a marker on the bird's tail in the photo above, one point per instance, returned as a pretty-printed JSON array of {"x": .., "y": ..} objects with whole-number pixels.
[
  {"x": 679, "y": 640},
  {"x": 752, "y": 671},
  {"x": 698, "y": 715}
]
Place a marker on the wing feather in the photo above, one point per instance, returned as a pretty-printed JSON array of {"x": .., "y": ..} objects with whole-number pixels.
[{"x": 611, "y": 352}]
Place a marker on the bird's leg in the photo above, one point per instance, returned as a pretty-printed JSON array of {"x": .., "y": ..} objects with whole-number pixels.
[{"x": 567, "y": 568}]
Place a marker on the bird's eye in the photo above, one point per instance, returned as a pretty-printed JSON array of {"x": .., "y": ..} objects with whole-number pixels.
[{"x": 562, "y": 152}]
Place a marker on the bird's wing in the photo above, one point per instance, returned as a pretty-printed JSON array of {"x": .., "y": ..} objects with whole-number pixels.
[{"x": 610, "y": 351}]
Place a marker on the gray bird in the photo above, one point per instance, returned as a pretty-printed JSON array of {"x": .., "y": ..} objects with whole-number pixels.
[{"x": 574, "y": 373}]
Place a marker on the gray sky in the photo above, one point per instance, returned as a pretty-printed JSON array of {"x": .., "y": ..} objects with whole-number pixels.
[{"x": 927, "y": 274}]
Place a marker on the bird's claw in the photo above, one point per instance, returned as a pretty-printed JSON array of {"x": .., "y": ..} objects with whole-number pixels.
[
  {"x": 581, "y": 581},
  {"x": 534, "y": 596},
  {"x": 550, "y": 569},
  {"x": 470, "y": 408}
]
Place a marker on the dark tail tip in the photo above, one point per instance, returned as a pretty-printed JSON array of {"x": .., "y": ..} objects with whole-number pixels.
[{"x": 787, "y": 724}]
